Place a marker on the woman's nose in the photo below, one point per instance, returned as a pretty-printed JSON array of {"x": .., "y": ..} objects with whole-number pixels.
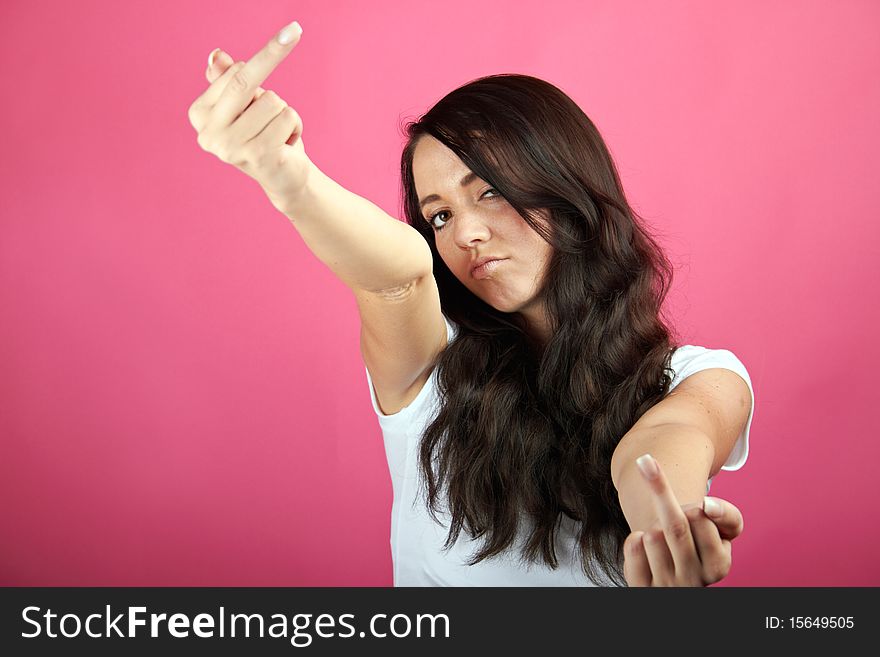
[{"x": 470, "y": 227}]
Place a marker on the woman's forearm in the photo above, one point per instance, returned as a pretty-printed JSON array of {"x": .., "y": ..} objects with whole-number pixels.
[
  {"x": 364, "y": 246},
  {"x": 685, "y": 453}
]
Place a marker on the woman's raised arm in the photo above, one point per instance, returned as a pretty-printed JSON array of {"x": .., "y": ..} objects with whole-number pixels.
[{"x": 384, "y": 261}]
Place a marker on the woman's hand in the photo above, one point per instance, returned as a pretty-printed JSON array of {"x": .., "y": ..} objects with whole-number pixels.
[
  {"x": 250, "y": 128},
  {"x": 685, "y": 546}
]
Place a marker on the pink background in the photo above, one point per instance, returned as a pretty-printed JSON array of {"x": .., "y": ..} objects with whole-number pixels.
[{"x": 182, "y": 399}]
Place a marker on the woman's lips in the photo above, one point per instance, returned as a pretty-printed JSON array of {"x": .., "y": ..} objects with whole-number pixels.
[{"x": 486, "y": 268}]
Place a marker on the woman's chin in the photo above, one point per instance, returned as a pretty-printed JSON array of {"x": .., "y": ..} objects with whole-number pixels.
[
  {"x": 501, "y": 303},
  {"x": 504, "y": 306}
]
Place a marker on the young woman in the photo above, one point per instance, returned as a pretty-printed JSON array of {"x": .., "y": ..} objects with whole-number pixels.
[{"x": 512, "y": 334}]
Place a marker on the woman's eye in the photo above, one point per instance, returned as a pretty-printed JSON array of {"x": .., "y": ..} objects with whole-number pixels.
[
  {"x": 437, "y": 214},
  {"x": 434, "y": 216}
]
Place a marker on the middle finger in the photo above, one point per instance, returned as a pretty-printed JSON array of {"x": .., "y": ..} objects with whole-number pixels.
[
  {"x": 241, "y": 89},
  {"x": 663, "y": 571},
  {"x": 672, "y": 519},
  {"x": 220, "y": 63}
]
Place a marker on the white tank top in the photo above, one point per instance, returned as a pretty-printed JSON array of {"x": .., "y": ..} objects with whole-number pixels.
[{"x": 417, "y": 540}]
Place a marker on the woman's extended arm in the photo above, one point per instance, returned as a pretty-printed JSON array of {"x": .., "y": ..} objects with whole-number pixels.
[
  {"x": 673, "y": 540},
  {"x": 690, "y": 434},
  {"x": 687, "y": 544}
]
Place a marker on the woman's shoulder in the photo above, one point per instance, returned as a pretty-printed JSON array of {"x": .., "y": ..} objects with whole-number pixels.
[{"x": 688, "y": 359}]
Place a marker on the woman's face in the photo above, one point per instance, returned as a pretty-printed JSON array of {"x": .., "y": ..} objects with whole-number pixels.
[{"x": 473, "y": 221}]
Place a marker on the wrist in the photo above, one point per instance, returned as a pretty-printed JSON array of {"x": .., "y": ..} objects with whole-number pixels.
[{"x": 290, "y": 200}]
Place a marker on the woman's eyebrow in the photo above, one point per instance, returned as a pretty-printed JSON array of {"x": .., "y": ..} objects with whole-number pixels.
[{"x": 464, "y": 182}]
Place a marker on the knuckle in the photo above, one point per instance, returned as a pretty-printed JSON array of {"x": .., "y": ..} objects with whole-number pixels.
[
  {"x": 629, "y": 545},
  {"x": 242, "y": 156},
  {"x": 655, "y": 538},
  {"x": 239, "y": 81},
  {"x": 679, "y": 529}
]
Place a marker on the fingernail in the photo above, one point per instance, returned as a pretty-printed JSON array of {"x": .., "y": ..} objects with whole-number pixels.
[
  {"x": 286, "y": 35},
  {"x": 711, "y": 507},
  {"x": 211, "y": 57},
  {"x": 647, "y": 465}
]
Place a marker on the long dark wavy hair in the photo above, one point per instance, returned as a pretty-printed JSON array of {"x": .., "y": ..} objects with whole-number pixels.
[{"x": 526, "y": 429}]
